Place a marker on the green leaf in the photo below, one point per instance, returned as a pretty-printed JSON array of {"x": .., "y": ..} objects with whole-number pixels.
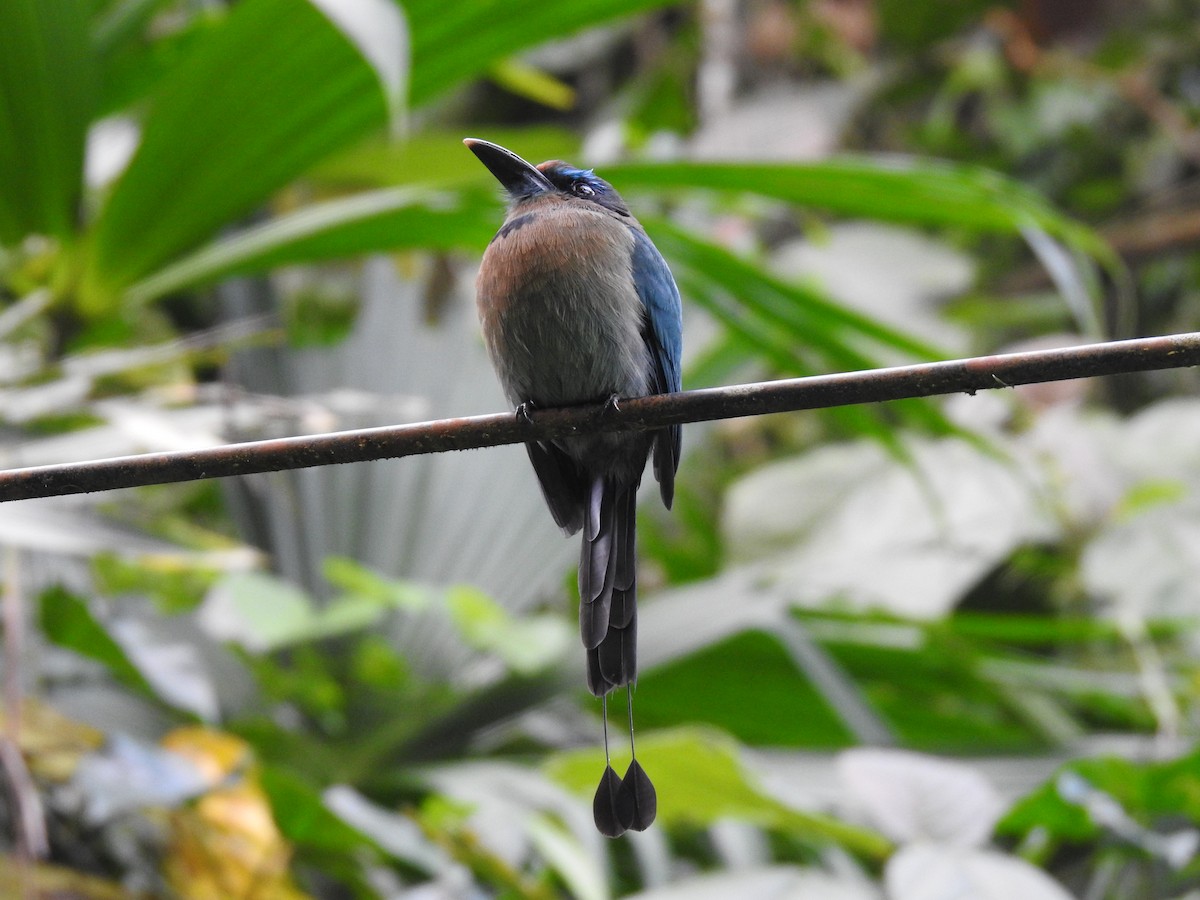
[
  {"x": 533, "y": 84},
  {"x": 787, "y": 711},
  {"x": 264, "y": 612},
  {"x": 1148, "y": 494},
  {"x": 66, "y": 620},
  {"x": 344, "y": 615},
  {"x": 793, "y": 327},
  {"x": 1150, "y": 793},
  {"x": 700, "y": 779},
  {"x": 213, "y": 150},
  {"x": 270, "y": 613},
  {"x": 173, "y": 587},
  {"x": 1047, "y": 811},
  {"x": 135, "y": 58},
  {"x": 915, "y": 26},
  {"x": 47, "y": 77},
  {"x": 1172, "y": 788},
  {"x": 354, "y": 578},
  {"x": 934, "y": 698},
  {"x": 1032, "y": 630},
  {"x": 379, "y": 31},
  {"x": 121, "y": 23},
  {"x": 917, "y": 192},
  {"x": 455, "y": 42},
  {"x": 261, "y": 98},
  {"x": 527, "y": 645},
  {"x": 373, "y": 221},
  {"x": 303, "y": 818},
  {"x": 829, "y": 327},
  {"x": 435, "y": 158}
]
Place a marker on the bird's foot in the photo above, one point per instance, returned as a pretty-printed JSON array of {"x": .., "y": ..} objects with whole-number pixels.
[
  {"x": 612, "y": 404},
  {"x": 524, "y": 410}
]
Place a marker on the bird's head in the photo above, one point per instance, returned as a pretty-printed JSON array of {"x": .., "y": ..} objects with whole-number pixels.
[{"x": 524, "y": 181}]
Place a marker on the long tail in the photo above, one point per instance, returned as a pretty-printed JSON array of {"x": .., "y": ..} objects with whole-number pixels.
[
  {"x": 608, "y": 585},
  {"x": 608, "y": 624}
]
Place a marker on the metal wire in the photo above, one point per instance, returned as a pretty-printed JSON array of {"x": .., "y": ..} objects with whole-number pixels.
[{"x": 640, "y": 414}]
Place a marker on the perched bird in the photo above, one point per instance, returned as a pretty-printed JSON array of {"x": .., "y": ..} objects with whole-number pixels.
[{"x": 578, "y": 306}]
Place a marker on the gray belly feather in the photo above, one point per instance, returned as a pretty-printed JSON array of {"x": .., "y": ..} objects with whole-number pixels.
[{"x": 566, "y": 328}]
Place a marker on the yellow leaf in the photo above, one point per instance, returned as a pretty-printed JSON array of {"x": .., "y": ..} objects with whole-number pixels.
[{"x": 226, "y": 843}]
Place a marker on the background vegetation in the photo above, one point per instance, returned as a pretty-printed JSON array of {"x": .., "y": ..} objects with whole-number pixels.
[{"x": 890, "y": 652}]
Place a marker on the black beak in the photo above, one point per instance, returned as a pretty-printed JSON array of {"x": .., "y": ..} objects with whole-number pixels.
[{"x": 519, "y": 178}]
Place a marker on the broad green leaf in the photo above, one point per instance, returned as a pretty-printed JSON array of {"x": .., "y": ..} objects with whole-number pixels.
[
  {"x": 1072, "y": 805},
  {"x": 352, "y": 577},
  {"x": 829, "y": 327},
  {"x": 66, "y": 620},
  {"x": 304, "y": 819},
  {"x": 1173, "y": 788},
  {"x": 366, "y": 222},
  {"x": 213, "y": 150},
  {"x": 267, "y": 93},
  {"x": 455, "y": 42},
  {"x": 437, "y": 158},
  {"x": 700, "y": 779},
  {"x": 121, "y": 22},
  {"x": 1041, "y": 631},
  {"x": 793, "y": 327},
  {"x": 375, "y": 221},
  {"x": 346, "y": 614},
  {"x": 1047, "y": 810},
  {"x": 47, "y": 78},
  {"x": 135, "y": 58},
  {"x": 915, "y": 26},
  {"x": 527, "y": 645},
  {"x": 378, "y": 29},
  {"x": 712, "y": 685},
  {"x": 263, "y": 612},
  {"x": 911, "y": 191},
  {"x": 935, "y": 699}
]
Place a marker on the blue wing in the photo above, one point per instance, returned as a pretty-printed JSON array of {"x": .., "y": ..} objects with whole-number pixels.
[{"x": 664, "y": 339}]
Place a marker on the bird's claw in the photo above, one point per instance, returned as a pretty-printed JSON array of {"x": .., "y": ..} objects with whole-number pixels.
[
  {"x": 523, "y": 412},
  {"x": 612, "y": 404}
]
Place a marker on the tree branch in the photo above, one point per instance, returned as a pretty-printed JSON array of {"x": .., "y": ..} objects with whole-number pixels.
[{"x": 640, "y": 414}]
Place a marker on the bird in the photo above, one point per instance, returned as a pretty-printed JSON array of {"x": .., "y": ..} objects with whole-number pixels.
[{"x": 577, "y": 306}]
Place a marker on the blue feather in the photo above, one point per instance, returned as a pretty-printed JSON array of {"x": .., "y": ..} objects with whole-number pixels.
[
  {"x": 664, "y": 338},
  {"x": 660, "y": 296}
]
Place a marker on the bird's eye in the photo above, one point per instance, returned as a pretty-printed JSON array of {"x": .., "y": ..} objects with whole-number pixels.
[{"x": 584, "y": 190}]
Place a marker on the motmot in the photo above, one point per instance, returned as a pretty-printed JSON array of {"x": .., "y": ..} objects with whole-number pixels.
[{"x": 578, "y": 306}]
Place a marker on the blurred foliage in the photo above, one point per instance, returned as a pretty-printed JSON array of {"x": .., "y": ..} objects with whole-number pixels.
[{"x": 245, "y": 708}]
